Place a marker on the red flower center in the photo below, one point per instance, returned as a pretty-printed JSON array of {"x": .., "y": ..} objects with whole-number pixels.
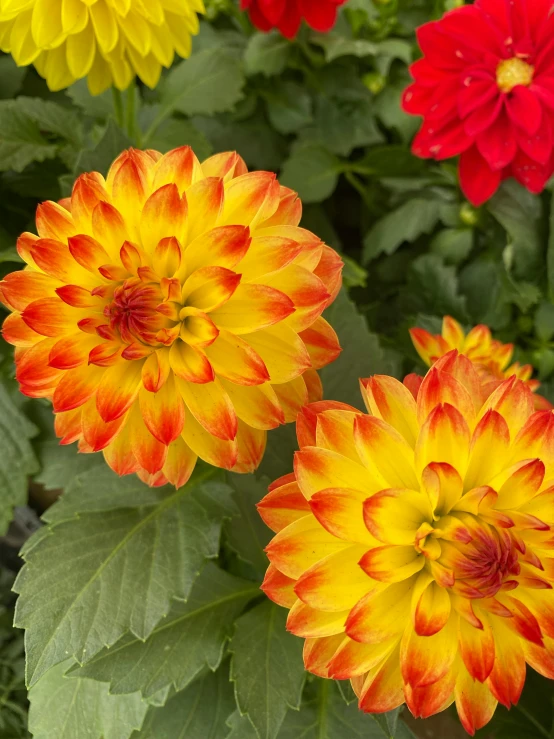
[
  {"x": 513, "y": 72},
  {"x": 133, "y": 314}
]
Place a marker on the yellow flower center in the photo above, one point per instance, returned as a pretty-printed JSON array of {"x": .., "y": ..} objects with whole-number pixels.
[{"x": 513, "y": 72}]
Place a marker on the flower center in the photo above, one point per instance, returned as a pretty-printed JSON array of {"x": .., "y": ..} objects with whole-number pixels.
[
  {"x": 132, "y": 312},
  {"x": 513, "y": 72}
]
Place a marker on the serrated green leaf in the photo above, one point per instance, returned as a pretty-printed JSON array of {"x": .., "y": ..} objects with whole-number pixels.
[
  {"x": 289, "y": 106},
  {"x": 175, "y": 132},
  {"x": 246, "y": 534},
  {"x": 266, "y": 668},
  {"x": 361, "y": 355},
  {"x": 99, "y": 107},
  {"x": 52, "y": 117},
  {"x": 131, "y": 564},
  {"x": 17, "y": 460},
  {"x": 59, "y": 465},
  {"x": 72, "y": 708},
  {"x": 21, "y": 141},
  {"x": 240, "y": 727},
  {"x": 434, "y": 286},
  {"x": 335, "y": 45},
  {"x": 211, "y": 81},
  {"x": 341, "y": 125},
  {"x": 415, "y": 217},
  {"x": 110, "y": 146},
  {"x": 199, "y": 712},
  {"x": 266, "y": 53},
  {"x": 191, "y": 638},
  {"x": 325, "y": 715},
  {"x": 313, "y": 172}
]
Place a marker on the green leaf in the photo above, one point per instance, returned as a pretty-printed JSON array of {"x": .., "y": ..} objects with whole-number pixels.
[
  {"x": 110, "y": 146},
  {"x": 247, "y": 535},
  {"x": 407, "y": 223},
  {"x": 90, "y": 579},
  {"x": 519, "y": 211},
  {"x": 241, "y": 727},
  {"x": 17, "y": 460},
  {"x": 289, "y": 106},
  {"x": 550, "y": 251},
  {"x": 335, "y": 45},
  {"x": 544, "y": 322},
  {"x": 175, "y": 132},
  {"x": 266, "y": 668},
  {"x": 361, "y": 356},
  {"x": 345, "y": 124},
  {"x": 99, "y": 107},
  {"x": 54, "y": 118},
  {"x": 189, "y": 639},
  {"x": 325, "y": 715},
  {"x": 199, "y": 712},
  {"x": 434, "y": 288},
  {"x": 266, "y": 53},
  {"x": 313, "y": 172},
  {"x": 21, "y": 141},
  {"x": 211, "y": 81},
  {"x": 453, "y": 245},
  {"x": 72, "y": 708},
  {"x": 11, "y": 77},
  {"x": 59, "y": 465}
]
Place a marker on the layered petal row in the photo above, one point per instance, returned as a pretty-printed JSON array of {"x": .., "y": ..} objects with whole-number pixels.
[
  {"x": 106, "y": 41},
  {"x": 287, "y": 15},
  {"x": 485, "y": 90},
  {"x": 414, "y": 544},
  {"x": 492, "y": 359},
  {"x": 172, "y": 310}
]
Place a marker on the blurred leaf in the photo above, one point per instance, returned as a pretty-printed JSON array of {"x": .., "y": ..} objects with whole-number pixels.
[
  {"x": 407, "y": 223},
  {"x": 54, "y": 118},
  {"x": 312, "y": 172},
  {"x": 110, "y": 146},
  {"x": 391, "y": 161},
  {"x": 266, "y": 667},
  {"x": 67, "y": 708},
  {"x": 519, "y": 211},
  {"x": 95, "y": 106},
  {"x": 11, "y": 77},
  {"x": 247, "y": 535},
  {"x": 343, "y": 125},
  {"x": 361, "y": 356},
  {"x": 267, "y": 53},
  {"x": 544, "y": 322},
  {"x": 453, "y": 245},
  {"x": 189, "y": 639},
  {"x": 175, "y": 132},
  {"x": 434, "y": 287},
  {"x": 17, "y": 460},
  {"x": 201, "y": 710},
  {"x": 211, "y": 81},
  {"x": 289, "y": 106},
  {"x": 21, "y": 141},
  {"x": 132, "y": 562},
  {"x": 550, "y": 251}
]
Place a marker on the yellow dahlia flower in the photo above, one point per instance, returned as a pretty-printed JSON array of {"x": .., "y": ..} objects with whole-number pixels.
[
  {"x": 491, "y": 357},
  {"x": 414, "y": 546},
  {"x": 107, "y": 41},
  {"x": 172, "y": 310}
]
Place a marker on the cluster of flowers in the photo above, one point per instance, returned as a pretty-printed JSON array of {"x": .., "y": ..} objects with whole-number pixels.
[{"x": 172, "y": 310}]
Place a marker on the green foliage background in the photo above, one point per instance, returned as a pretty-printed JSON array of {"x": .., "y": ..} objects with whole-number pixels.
[{"x": 142, "y": 608}]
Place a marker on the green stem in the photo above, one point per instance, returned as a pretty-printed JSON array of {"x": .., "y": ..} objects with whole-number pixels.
[
  {"x": 322, "y": 708},
  {"x": 357, "y": 185},
  {"x": 118, "y": 106},
  {"x": 132, "y": 128},
  {"x": 540, "y": 728}
]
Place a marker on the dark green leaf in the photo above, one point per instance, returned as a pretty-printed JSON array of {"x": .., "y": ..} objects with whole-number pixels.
[
  {"x": 289, "y": 106},
  {"x": 189, "y": 639},
  {"x": 11, "y": 77},
  {"x": 266, "y": 668},
  {"x": 246, "y": 534},
  {"x": 266, "y": 53},
  {"x": 131, "y": 563},
  {"x": 110, "y": 146},
  {"x": 175, "y": 132},
  {"x": 21, "y": 141},
  {"x": 199, "y": 712},
  {"x": 72, "y": 708},
  {"x": 435, "y": 289},
  {"x": 59, "y": 465},
  {"x": 453, "y": 245},
  {"x": 313, "y": 172}
]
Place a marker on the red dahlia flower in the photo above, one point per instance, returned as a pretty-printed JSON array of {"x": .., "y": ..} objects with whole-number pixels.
[
  {"x": 485, "y": 88},
  {"x": 287, "y": 15}
]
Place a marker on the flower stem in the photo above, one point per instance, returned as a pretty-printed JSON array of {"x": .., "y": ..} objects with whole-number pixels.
[{"x": 132, "y": 128}]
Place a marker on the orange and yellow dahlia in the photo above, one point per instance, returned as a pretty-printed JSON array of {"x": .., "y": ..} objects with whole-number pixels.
[
  {"x": 106, "y": 41},
  {"x": 414, "y": 546},
  {"x": 491, "y": 358},
  {"x": 172, "y": 310}
]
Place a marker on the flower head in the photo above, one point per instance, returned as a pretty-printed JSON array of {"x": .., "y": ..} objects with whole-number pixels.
[
  {"x": 485, "y": 89},
  {"x": 106, "y": 41},
  {"x": 287, "y": 15},
  {"x": 414, "y": 546},
  {"x": 492, "y": 359},
  {"x": 172, "y": 310}
]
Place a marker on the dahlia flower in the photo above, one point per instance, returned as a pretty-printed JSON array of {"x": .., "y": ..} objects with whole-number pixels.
[
  {"x": 414, "y": 546},
  {"x": 287, "y": 15},
  {"x": 485, "y": 89},
  {"x": 491, "y": 358},
  {"x": 106, "y": 41},
  {"x": 172, "y": 310}
]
